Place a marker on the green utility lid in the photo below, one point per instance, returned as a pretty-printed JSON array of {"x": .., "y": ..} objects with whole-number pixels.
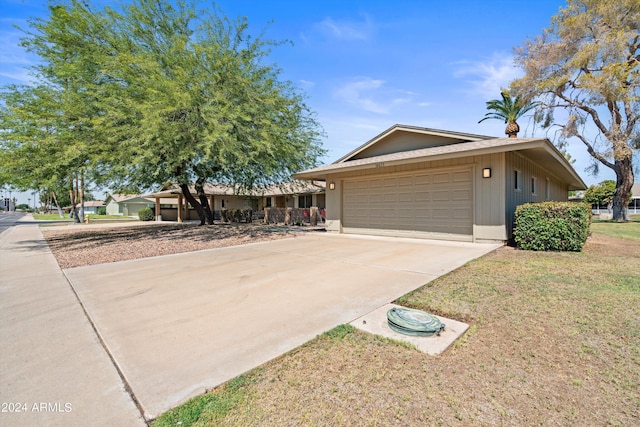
[{"x": 414, "y": 322}]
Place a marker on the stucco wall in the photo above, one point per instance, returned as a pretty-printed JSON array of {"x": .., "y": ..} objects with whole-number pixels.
[{"x": 113, "y": 208}]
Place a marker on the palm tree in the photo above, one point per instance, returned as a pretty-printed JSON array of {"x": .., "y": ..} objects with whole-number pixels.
[{"x": 509, "y": 110}]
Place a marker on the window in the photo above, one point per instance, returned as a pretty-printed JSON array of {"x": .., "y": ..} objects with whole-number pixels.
[
  {"x": 517, "y": 180},
  {"x": 305, "y": 201},
  {"x": 267, "y": 203},
  {"x": 534, "y": 186},
  {"x": 547, "y": 189}
]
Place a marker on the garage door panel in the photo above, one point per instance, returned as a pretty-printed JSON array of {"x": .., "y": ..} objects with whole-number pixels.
[
  {"x": 440, "y": 196},
  {"x": 463, "y": 176},
  {"x": 405, "y": 181},
  {"x": 461, "y": 195},
  {"x": 441, "y": 178},
  {"x": 422, "y": 179},
  {"x": 437, "y": 202}
]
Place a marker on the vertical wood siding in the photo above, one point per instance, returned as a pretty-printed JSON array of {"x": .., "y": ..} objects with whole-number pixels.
[{"x": 528, "y": 170}]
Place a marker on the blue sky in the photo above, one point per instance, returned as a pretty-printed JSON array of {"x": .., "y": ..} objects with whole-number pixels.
[{"x": 366, "y": 65}]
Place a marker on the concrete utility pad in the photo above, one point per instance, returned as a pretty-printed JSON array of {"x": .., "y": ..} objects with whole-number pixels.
[
  {"x": 180, "y": 324},
  {"x": 376, "y": 323}
]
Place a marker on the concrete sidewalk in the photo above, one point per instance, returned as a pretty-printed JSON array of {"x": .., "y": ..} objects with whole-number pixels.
[
  {"x": 180, "y": 324},
  {"x": 53, "y": 369}
]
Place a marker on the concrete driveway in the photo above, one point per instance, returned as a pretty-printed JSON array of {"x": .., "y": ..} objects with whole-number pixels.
[{"x": 181, "y": 324}]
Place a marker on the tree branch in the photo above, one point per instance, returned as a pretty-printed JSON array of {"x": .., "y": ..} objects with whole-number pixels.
[
  {"x": 595, "y": 154},
  {"x": 592, "y": 112}
]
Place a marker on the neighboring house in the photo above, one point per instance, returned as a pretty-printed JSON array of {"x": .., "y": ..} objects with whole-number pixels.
[
  {"x": 634, "y": 202},
  {"x": 127, "y": 204},
  {"x": 297, "y": 194},
  {"x": 418, "y": 182},
  {"x": 221, "y": 196},
  {"x": 92, "y": 206}
]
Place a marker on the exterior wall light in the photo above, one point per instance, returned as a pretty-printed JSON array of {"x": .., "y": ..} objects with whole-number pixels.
[
  {"x": 486, "y": 173},
  {"x": 332, "y": 186}
]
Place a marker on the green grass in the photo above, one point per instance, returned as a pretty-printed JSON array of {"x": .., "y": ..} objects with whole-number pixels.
[
  {"x": 47, "y": 217},
  {"x": 56, "y": 217},
  {"x": 623, "y": 230},
  {"x": 209, "y": 408}
]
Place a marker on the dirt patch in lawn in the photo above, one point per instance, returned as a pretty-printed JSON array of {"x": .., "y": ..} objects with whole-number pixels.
[
  {"x": 554, "y": 340},
  {"x": 78, "y": 246}
]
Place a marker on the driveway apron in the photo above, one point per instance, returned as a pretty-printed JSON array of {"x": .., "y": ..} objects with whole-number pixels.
[{"x": 179, "y": 325}]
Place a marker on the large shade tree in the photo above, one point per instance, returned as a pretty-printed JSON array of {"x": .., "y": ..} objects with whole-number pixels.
[
  {"x": 587, "y": 64},
  {"x": 170, "y": 91},
  {"x": 48, "y": 140},
  {"x": 191, "y": 97}
]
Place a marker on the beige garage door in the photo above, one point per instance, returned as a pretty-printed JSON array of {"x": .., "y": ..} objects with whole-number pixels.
[{"x": 437, "y": 204}]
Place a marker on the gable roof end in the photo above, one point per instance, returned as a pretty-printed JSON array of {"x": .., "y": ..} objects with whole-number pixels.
[{"x": 468, "y": 137}]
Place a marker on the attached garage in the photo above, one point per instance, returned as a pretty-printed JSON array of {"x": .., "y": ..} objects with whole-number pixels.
[
  {"x": 428, "y": 183},
  {"x": 432, "y": 202}
]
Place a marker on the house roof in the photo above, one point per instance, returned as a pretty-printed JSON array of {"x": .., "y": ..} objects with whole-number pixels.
[
  {"x": 635, "y": 191},
  {"x": 120, "y": 197},
  {"x": 287, "y": 188},
  {"x": 94, "y": 203},
  {"x": 449, "y": 136},
  {"x": 541, "y": 151}
]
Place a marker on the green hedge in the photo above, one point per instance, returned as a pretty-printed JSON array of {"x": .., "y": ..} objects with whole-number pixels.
[
  {"x": 552, "y": 226},
  {"x": 145, "y": 214}
]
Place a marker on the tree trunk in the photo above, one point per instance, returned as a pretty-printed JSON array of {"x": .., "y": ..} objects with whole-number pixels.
[
  {"x": 55, "y": 199},
  {"x": 624, "y": 182},
  {"x": 73, "y": 192},
  {"x": 81, "y": 193},
  {"x": 204, "y": 202},
  {"x": 192, "y": 200}
]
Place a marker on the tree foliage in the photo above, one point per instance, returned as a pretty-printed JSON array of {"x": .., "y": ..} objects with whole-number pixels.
[
  {"x": 48, "y": 138},
  {"x": 509, "y": 109},
  {"x": 587, "y": 64},
  {"x": 601, "y": 194},
  {"x": 196, "y": 100},
  {"x": 170, "y": 93}
]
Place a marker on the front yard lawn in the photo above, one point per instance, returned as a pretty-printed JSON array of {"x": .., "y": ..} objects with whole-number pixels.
[
  {"x": 554, "y": 340},
  {"x": 624, "y": 230},
  {"x": 92, "y": 217}
]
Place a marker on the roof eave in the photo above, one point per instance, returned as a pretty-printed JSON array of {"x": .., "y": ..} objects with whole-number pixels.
[{"x": 574, "y": 180}]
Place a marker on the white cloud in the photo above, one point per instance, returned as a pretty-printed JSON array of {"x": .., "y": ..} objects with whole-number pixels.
[
  {"x": 487, "y": 78},
  {"x": 375, "y": 96},
  {"x": 346, "y": 30},
  {"x": 14, "y": 60},
  {"x": 306, "y": 83},
  {"x": 360, "y": 93}
]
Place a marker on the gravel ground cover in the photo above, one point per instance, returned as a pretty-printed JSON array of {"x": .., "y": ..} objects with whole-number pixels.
[{"x": 76, "y": 246}]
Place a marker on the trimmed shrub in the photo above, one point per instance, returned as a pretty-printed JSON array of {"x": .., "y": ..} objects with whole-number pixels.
[
  {"x": 552, "y": 226},
  {"x": 145, "y": 214},
  {"x": 102, "y": 210},
  {"x": 236, "y": 215}
]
